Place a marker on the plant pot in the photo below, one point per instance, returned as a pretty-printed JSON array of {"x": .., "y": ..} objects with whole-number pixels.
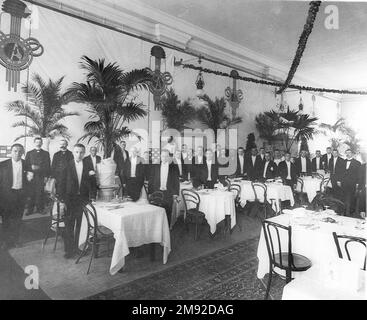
[
  {"x": 106, "y": 179},
  {"x": 106, "y": 173}
]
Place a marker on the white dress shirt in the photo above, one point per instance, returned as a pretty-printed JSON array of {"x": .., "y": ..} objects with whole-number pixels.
[
  {"x": 348, "y": 163},
  {"x": 17, "y": 175},
  {"x": 265, "y": 168},
  {"x": 209, "y": 166},
  {"x": 164, "y": 175},
  {"x": 94, "y": 161},
  {"x": 184, "y": 155},
  {"x": 303, "y": 164},
  {"x": 79, "y": 171},
  {"x": 179, "y": 164},
  {"x": 253, "y": 160},
  {"x": 277, "y": 161},
  {"x": 200, "y": 159},
  {"x": 133, "y": 161},
  {"x": 242, "y": 161},
  {"x": 289, "y": 177},
  {"x": 124, "y": 154},
  {"x": 335, "y": 159},
  {"x": 318, "y": 163}
]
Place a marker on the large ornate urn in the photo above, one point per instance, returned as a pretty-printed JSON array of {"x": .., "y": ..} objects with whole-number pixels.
[{"x": 106, "y": 179}]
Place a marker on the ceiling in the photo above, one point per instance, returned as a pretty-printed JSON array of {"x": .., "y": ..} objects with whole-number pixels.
[{"x": 333, "y": 58}]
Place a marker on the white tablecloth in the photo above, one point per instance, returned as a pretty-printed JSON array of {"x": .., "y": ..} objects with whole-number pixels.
[
  {"x": 311, "y": 237},
  {"x": 276, "y": 191},
  {"x": 311, "y": 186},
  {"x": 314, "y": 284},
  {"x": 133, "y": 225},
  {"x": 216, "y": 205}
]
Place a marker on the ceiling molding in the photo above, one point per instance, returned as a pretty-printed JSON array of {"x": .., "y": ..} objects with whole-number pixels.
[{"x": 142, "y": 20}]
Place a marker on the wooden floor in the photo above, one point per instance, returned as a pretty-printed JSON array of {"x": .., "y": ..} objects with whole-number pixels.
[{"x": 63, "y": 279}]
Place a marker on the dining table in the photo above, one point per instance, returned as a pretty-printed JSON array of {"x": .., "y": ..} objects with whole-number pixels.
[
  {"x": 276, "y": 193},
  {"x": 339, "y": 280},
  {"x": 217, "y": 204},
  {"x": 133, "y": 224},
  {"x": 312, "y": 237},
  {"x": 312, "y": 184}
]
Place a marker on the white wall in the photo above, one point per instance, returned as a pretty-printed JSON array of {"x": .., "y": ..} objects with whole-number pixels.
[
  {"x": 354, "y": 110},
  {"x": 66, "y": 39}
]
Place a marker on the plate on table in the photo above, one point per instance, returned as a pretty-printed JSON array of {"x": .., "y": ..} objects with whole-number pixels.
[{"x": 186, "y": 183}]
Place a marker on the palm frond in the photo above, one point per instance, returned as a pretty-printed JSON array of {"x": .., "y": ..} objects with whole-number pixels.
[{"x": 131, "y": 111}]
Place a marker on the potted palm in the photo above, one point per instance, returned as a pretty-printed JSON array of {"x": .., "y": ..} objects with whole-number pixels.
[
  {"x": 44, "y": 111},
  {"x": 292, "y": 126},
  {"x": 214, "y": 116},
  {"x": 107, "y": 94},
  {"x": 176, "y": 114}
]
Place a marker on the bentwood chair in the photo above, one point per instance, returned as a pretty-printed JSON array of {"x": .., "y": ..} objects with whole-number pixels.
[
  {"x": 156, "y": 199},
  {"x": 193, "y": 215},
  {"x": 260, "y": 192},
  {"x": 348, "y": 241},
  {"x": 96, "y": 235},
  {"x": 57, "y": 220},
  {"x": 299, "y": 193},
  {"x": 236, "y": 190},
  {"x": 317, "y": 175},
  {"x": 324, "y": 185},
  {"x": 280, "y": 252}
]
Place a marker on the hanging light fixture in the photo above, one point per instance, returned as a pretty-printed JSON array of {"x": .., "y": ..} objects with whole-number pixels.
[{"x": 200, "y": 83}]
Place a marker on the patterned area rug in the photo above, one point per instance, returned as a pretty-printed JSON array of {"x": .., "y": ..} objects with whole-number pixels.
[{"x": 226, "y": 274}]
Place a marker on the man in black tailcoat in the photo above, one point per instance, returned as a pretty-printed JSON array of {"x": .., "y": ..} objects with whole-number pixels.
[
  {"x": 60, "y": 161},
  {"x": 327, "y": 159},
  {"x": 337, "y": 168},
  {"x": 303, "y": 164},
  {"x": 38, "y": 162},
  {"x": 92, "y": 161},
  {"x": 269, "y": 169},
  {"x": 287, "y": 171},
  {"x": 317, "y": 163},
  {"x": 77, "y": 189},
  {"x": 13, "y": 180},
  {"x": 349, "y": 180},
  {"x": 134, "y": 175},
  {"x": 165, "y": 178},
  {"x": 253, "y": 165},
  {"x": 209, "y": 171}
]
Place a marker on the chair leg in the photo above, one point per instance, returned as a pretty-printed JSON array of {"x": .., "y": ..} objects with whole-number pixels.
[
  {"x": 46, "y": 238},
  {"x": 269, "y": 283},
  {"x": 56, "y": 238},
  {"x": 91, "y": 257},
  {"x": 96, "y": 252},
  {"x": 82, "y": 254}
]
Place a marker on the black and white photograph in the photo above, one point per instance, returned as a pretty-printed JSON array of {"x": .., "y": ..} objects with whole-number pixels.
[{"x": 204, "y": 152}]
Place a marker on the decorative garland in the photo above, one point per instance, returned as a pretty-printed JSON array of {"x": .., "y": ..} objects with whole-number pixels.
[
  {"x": 270, "y": 83},
  {"x": 307, "y": 29}
]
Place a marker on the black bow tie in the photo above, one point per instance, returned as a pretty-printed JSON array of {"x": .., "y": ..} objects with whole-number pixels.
[{"x": 349, "y": 160}]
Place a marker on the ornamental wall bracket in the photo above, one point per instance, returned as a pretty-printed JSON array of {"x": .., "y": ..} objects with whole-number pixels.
[
  {"x": 234, "y": 96},
  {"x": 159, "y": 80},
  {"x": 16, "y": 53}
]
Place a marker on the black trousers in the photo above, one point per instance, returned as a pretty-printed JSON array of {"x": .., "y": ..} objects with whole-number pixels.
[
  {"x": 12, "y": 214},
  {"x": 73, "y": 221},
  {"x": 36, "y": 193},
  {"x": 349, "y": 192},
  {"x": 168, "y": 202}
]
